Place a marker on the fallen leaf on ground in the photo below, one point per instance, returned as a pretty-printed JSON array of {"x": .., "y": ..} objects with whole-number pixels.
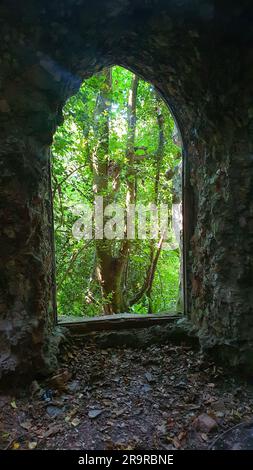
[
  {"x": 32, "y": 445},
  {"x": 26, "y": 425},
  {"x": 15, "y": 445},
  {"x": 51, "y": 431},
  {"x": 59, "y": 381},
  {"x": 75, "y": 422}
]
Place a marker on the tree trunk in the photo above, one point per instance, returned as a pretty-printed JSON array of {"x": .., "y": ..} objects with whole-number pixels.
[
  {"x": 154, "y": 254},
  {"x": 110, "y": 268},
  {"x": 110, "y": 272}
]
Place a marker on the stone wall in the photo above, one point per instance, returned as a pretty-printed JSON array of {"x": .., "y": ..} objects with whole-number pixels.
[
  {"x": 220, "y": 259},
  {"x": 199, "y": 55},
  {"x": 26, "y": 318}
]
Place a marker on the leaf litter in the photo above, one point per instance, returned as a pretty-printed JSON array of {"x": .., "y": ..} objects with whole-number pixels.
[{"x": 160, "y": 397}]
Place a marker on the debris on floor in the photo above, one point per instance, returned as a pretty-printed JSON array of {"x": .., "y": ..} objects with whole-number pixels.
[{"x": 161, "y": 397}]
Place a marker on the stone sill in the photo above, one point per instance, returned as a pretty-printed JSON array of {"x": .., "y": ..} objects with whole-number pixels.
[{"x": 122, "y": 321}]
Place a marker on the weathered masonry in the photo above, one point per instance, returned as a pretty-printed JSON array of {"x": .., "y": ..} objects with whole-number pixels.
[{"x": 199, "y": 54}]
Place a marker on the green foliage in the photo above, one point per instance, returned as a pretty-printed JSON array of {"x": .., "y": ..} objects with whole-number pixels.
[{"x": 78, "y": 291}]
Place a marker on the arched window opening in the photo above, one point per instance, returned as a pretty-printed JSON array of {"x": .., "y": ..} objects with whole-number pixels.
[{"x": 117, "y": 201}]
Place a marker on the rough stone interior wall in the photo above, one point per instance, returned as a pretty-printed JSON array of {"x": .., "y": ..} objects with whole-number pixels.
[
  {"x": 199, "y": 55},
  {"x": 25, "y": 271},
  {"x": 221, "y": 263}
]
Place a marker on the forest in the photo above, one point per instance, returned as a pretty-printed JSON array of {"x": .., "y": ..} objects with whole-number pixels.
[{"x": 119, "y": 145}]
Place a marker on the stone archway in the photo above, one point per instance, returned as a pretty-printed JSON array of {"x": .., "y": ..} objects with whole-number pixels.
[{"x": 201, "y": 61}]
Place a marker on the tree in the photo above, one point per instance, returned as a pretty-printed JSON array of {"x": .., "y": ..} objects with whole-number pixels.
[{"x": 117, "y": 132}]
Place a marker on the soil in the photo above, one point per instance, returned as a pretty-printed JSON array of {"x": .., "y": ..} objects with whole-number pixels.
[{"x": 160, "y": 397}]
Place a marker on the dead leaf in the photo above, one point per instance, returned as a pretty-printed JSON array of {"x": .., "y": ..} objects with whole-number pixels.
[
  {"x": 118, "y": 413},
  {"x": 51, "y": 431},
  {"x": 71, "y": 414},
  {"x": 15, "y": 445},
  {"x": 107, "y": 402},
  {"x": 32, "y": 445},
  {"x": 171, "y": 423},
  {"x": 59, "y": 381},
  {"x": 182, "y": 435},
  {"x": 75, "y": 422},
  {"x": 26, "y": 425},
  {"x": 175, "y": 442}
]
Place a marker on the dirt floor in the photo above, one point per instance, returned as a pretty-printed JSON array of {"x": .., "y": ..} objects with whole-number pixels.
[{"x": 161, "y": 397}]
